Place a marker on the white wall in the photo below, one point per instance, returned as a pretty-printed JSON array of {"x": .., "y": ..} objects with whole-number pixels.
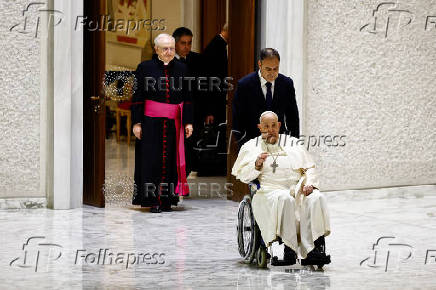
[
  {"x": 178, "y": 13},
  {"x": 191, "y": 19},
  {"x": 379, "y": 92},
  {"x": 171, "y": 11},
  {"x": 42, "y": 102},
  {"x": 19, "y": 103},
  {"x": 282, "y": 28}
]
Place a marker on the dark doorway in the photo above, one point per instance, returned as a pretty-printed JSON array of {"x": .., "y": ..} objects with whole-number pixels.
[
  {"x": 93, "y": 108},
  {"x": 241, "y": 55}
]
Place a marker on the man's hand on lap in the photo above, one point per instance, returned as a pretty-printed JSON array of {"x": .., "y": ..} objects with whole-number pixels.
[
  {"x": 307, "y": 189},
  {"x": 137, "y": 130},
  {"x": 188, "y": 130}
]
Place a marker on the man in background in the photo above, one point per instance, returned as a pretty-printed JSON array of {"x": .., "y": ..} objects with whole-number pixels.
[
  {"x": 215, "y": 54},
  {"x": 265, "y": 90},
  {"x": 194, "y": 62}
]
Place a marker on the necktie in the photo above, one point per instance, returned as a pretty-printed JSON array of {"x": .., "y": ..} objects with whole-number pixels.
[
  {"x": 268, "y": 96},
  {"x": 183, "y": 59}
]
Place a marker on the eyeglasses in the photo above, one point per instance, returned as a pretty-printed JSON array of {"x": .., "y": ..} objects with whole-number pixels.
[{"x": 166, "y": 49}]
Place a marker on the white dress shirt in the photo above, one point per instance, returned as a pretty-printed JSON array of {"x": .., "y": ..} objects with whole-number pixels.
[
  {"x": 179, "y": 57},
  {"x": 263, "y": 85}
]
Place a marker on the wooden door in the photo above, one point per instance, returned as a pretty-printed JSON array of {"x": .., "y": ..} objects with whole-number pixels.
[
  {"x": 241, "y": 63},
  {"x": 213, "y": 18},
  {"x": 93, "y": 108}
]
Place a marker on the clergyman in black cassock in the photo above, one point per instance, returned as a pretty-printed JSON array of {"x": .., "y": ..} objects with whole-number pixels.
[{"x": 156, "y": 158}]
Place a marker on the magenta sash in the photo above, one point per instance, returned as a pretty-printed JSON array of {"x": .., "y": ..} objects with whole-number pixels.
[{"x": 174, "y": 112}]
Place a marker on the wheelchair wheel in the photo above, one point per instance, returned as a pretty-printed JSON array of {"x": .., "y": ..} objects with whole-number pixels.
[
  {"x": 262, "y": 257},
  {"x": 247, "y": 231}
]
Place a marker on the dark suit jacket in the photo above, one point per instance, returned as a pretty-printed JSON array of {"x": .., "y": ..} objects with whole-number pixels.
[
  {"x": 195, "y": 61},
  {"x": 249, "y": 104},
  {"x": 216, "y": 56},
  {"x": 216, "y": 65}
]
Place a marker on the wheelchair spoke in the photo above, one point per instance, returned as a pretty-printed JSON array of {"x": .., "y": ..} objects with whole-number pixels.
[
  {"x": 246, "y": 230},
  {"x": 247, "y": 227}
]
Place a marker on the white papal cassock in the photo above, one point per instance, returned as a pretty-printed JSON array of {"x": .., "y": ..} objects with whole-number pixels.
[{"x": 279, "y": 206}]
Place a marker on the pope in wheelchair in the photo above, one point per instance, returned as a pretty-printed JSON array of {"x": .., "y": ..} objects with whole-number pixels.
[{"x": 286, "y": 204}]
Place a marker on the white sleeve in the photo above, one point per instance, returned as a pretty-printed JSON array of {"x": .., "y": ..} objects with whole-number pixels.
[
  {"x": 312, "y": 177},
  {"x": 244, "y": 167}
]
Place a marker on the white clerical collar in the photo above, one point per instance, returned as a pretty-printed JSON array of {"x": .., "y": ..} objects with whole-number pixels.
[
  {"x": 165, "y": 63},
  {"x": 264, "y": 81}
]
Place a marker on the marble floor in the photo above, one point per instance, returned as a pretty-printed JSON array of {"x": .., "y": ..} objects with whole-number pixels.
[
  {"x": 119, "y": 170},
  {"x": 194, "y": 247},
  {"x": 120, "y": 157}
]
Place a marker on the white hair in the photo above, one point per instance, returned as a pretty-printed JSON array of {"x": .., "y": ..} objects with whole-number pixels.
[
  {"x": 266, "y": 113},
  {"x": 158, "y": 39}
]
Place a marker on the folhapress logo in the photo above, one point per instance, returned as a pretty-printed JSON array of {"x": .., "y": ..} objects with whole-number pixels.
[{"x": 37, "y": 254}]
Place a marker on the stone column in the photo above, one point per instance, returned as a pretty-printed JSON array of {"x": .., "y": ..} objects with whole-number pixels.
[{"x": 67, "y": 54}]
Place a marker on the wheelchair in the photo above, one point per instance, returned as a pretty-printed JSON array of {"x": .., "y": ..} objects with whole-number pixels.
[{"x": 251, "y": 246}]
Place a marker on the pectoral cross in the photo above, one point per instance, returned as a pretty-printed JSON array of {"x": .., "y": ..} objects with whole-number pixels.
[{"x": 274, "y": 165}]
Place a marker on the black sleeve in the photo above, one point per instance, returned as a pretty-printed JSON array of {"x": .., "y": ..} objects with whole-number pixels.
[
  {"x": 215, "y": 58},
  {"x": 188, "y": 110},
  {"x": 203, "y": 98},
  {"x": 208, "y": 96},
  {"x": 291, "y": 113},
  {"x": 237, "y": 113},
  {"x": 137, "y": 107}
]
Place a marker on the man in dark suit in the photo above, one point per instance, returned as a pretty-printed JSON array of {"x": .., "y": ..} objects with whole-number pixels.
[
  {"x": 215, "y": 55},
  {"x": 264, "y": 90},
  {"x": 194, "y": 62}
]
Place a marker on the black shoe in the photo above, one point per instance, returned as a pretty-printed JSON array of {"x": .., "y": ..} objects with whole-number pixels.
[
  {"x": 289, "y": 258},
  {"x": 136, "y": 201},
  {"x": 317, "y": 256},
  {"x": 155, "y": 209},
  {"x": 319, "y": 250},
  {"x": 166, "y": 207}
]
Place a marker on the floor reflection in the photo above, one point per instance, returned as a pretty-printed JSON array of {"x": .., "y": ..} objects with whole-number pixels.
[{"x": 198, "y": 243}]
